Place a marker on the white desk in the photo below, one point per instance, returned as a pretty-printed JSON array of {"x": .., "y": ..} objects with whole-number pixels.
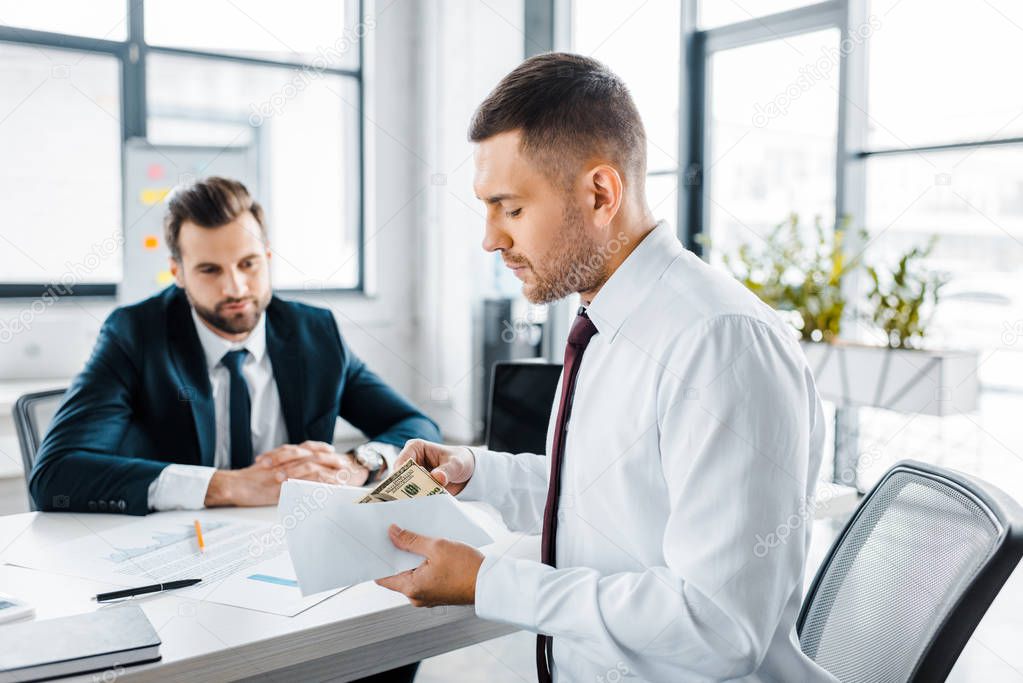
[{"x": 361, "y": 631}]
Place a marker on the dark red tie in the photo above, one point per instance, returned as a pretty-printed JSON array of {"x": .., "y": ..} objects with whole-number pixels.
[{"x": 582, "y": 331}]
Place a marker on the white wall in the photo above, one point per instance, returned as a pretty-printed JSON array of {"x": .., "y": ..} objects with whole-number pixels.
[{"x": 466, "y": 48}]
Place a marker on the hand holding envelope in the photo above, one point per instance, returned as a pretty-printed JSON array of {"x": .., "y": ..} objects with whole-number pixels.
[
  {"x": 447, "y": 575},
  {"x": 334, "y": 541}
]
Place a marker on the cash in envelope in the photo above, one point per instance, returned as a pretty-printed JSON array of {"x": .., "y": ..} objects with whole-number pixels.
[{"x": 411, "y": 480}]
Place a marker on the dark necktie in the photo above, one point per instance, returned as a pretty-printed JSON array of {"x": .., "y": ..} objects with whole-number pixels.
[
  {"x": 239, "y": 410},
  {"x": 582, "y": 331}
]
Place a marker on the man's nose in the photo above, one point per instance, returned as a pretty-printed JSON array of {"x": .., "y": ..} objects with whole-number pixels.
[
  {"x": 235, "y": 285},
  {"x": 495, "y": 239}
]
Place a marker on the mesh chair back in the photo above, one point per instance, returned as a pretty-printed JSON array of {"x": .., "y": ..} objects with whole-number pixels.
[
  {"x": 910, "y": 576},
  {"x": 33, "y": 414}
]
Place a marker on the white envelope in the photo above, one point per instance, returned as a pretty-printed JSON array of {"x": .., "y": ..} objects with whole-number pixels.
[{"x": 335, "y": 542}]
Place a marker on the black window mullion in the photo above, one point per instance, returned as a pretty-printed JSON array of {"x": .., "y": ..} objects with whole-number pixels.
[{"x": 132, "y": 56}]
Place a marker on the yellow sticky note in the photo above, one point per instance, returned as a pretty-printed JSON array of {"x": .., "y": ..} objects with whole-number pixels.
[
  {"x": 150, "y": 242},
  {"x": 151, "y": 196},
  {"x": 164, "y": 277}
]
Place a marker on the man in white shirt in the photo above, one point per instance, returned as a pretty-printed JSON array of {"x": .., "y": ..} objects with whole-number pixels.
[{"x": 687, "y": 425}]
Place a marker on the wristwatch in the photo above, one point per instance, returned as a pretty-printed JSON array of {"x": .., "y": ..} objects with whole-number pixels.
[{"x": 370, "y": 458}]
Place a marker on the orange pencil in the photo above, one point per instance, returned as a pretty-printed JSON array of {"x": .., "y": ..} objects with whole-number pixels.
[{"x": 198, "y": 537}]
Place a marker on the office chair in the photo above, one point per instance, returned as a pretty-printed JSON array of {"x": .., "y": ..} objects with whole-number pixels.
[
  {"x": 32, "y": 416},
  {"x": 910, "y": 577},
  {"x": 521, "y": 400}
]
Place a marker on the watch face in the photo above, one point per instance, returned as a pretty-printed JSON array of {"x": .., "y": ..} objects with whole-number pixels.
[{"x": 369, "y": 458}]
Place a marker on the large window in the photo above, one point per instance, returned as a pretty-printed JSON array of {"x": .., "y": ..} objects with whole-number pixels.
[
  {"x": 60, "y": 132},
  {"x": 770, "y": 153},
  {"x": 284, "y": 82},
  {"x": 859, "y": 109},
  {"x": 944, "y": 160}
]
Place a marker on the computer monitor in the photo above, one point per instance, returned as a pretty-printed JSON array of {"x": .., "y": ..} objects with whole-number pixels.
[{"x": 521, "y": 399}]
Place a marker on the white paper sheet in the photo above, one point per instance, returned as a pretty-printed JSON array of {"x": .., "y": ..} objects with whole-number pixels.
[
  {"x": 153, "y": 549},
  {"x": 335, "y": 542},
  {"x": 163, "y": 547},
  {"x": 269, "y": 586}
]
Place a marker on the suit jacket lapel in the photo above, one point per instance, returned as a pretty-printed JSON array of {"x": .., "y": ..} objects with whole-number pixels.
[
  {"x": 288, "y": 367},
  {"x": 189, "y": 361}
]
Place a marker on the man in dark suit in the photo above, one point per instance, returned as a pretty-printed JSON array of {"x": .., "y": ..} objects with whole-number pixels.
[{"x": 214, "y": 391}]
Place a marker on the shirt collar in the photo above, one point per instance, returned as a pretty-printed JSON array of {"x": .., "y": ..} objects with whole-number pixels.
[
  {"x": 630, "y": 282},
  {"x": 214, "y": 346}
]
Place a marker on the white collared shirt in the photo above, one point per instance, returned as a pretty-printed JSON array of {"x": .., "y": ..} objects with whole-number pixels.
[
  {"x": 696, "y": 432},
  {"x": 184, "y": 486}
]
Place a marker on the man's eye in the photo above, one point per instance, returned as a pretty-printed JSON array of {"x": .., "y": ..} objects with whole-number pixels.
[
  {"x": 246, "y": 264},
  {"x": 513, "y": 214}
]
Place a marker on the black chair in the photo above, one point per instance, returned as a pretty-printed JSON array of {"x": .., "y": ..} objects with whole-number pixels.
[
  {"x": 32, "y": 416},
  {"x": 521, "y": 399},
  {"x": 910, "y": 577}
]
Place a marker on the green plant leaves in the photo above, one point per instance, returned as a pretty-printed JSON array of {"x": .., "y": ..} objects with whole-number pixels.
[{"x": 802, "y": 271}]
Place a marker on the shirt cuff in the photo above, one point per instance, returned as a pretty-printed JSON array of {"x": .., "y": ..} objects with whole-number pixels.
[
  {"x": 507, "y": 589},
  {"x": 389, "y": 451},
  {"x": 476, "y": 487},
  {"x": 180, "y": 487}
]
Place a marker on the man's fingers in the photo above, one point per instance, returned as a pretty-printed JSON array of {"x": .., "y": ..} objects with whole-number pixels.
[
  {"x": 415, "y": 449},
  {"x": 318, "y": 446},
  {"x": 332, "y": 460},
  {"x": 402, "y": 583},
  {"x": 403, "y": 539},
  {"x": 282, "y": 455},
  {"x": 455, "y": 470},
  {"x": 290, "y": 453},
  {"x": 305, "y": 470}
]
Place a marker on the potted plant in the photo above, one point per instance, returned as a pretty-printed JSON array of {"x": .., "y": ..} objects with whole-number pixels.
[{"x": 802, "y": 274}]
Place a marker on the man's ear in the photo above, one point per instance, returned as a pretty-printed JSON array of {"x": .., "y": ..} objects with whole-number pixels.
[
  {"x": 175, "y": 269},
  {"x": 606, "y": 188}
]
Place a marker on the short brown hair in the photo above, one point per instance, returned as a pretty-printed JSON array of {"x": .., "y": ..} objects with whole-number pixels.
[
  {"x": 209, "y": 203},
  {"x": 569, "y": 108}
]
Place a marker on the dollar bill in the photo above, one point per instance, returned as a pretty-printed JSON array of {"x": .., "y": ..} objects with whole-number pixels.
[{"x": 411, "y": 480}]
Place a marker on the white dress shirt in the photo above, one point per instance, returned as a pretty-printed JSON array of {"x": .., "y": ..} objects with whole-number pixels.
[
  {"x": 696, "y": 432},
  {"x": 183, "y": 487}
]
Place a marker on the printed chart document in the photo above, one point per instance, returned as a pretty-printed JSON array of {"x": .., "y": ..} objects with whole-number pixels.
[
  {"x": 244, "y": 563},
  {"x": 334, "y": 541}
]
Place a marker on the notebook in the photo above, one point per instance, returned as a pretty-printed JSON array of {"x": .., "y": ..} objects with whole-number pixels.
[{"x": 105, "y": 639}]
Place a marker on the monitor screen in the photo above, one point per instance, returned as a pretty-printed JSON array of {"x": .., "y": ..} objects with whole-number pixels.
[{"x": 521, "y": 401}]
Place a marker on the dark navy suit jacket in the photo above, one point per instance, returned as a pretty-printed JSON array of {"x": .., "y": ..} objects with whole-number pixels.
[{"x": 144, "y": 401}]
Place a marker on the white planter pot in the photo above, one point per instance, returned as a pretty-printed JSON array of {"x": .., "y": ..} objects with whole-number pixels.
[{"x": 904, "y": 380}]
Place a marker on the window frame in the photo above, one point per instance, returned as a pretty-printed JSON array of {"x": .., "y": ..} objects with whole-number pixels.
[
  {"x": 131, "y": 54},
  {"x": 852, "y": 149}
]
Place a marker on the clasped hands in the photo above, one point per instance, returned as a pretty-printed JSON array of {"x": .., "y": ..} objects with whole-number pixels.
[{"x": 260, "y": 483}]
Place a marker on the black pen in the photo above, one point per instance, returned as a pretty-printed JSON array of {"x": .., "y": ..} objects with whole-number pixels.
[{"x": 142, "y": 590}]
